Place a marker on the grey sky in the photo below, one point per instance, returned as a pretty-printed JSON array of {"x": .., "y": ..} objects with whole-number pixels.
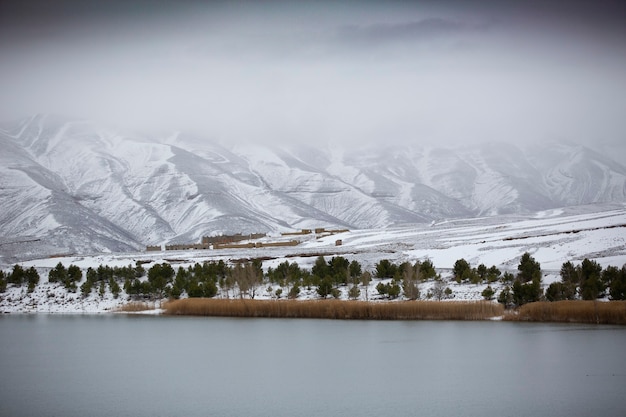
[{"x": 350, "y": 71}]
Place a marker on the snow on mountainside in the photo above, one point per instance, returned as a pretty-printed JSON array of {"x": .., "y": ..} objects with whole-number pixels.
[{"x": 74, "y": 187}]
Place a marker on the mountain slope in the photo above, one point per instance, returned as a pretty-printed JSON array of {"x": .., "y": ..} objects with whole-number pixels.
[{"x": 74, "y": 186}]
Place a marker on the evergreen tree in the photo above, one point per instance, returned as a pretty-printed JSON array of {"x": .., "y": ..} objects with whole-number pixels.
[
  {"x": 381, "y": 288},
  {"x": 591, "y": 285},
  {"x": 528, "y": 292},
  {"x": 506, "y": 297},
  {"x": 461, "y": 270},
  {"x": 385, "y": 269},
  {"x": 3, "y": 281},
  {"x": 528, "y": 268},
  {"x": 115, "y": 288},
  {"x": 293, "y": 292},
  {"x": 507, "y": 278},
  {"x": 320, "y": 268},
  {"x": 74, "y": 273},
  {"x": 16, "y": 276},
  {"x": 488, "y": 293},
  {"x": 354, "y": 292},
  {"x": 339, "y": 270},
  {"x": 87, "y": 286},
  {"x": 393, "y": 290},
  {"x": 481, "y": 271},
  {"x": 355, "y": 271},
  {"x": 569, "y": 273},
  {"x": 558, "y": 291},
  {"x": 325, "y": 287},
  {"x": 180, "y": 282},
  {"x": 139, "y": 270},
  {"x": 58, "y": 274},
  {"x": 32, "y": 278},
  {"x": 426, "y": 269},
  {"x": 493, "y": 274},
  {"x": 617, "y": 286},
  {"x": 159, "y": 276},
  {"x": 609, "y": 274}
]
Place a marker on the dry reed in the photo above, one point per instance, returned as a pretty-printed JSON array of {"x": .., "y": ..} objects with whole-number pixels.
[
  {"x": 597, "y": 312},
  {"x": 336, "y": 309}
]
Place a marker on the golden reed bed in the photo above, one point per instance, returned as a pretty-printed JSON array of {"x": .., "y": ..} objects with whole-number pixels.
[
  {"x": 336, "y": 309},
  {"x": 597, "y": 312}
]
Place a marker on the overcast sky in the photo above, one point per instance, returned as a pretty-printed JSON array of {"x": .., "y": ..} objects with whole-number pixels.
[{"x": 421, "y": 72}]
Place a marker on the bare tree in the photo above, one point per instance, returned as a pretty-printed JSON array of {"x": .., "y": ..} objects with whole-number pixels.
[
  {"x": 366, "y": 278},
  {"x": 410, "y": 277},
  {"x": 439, "y": 290}
]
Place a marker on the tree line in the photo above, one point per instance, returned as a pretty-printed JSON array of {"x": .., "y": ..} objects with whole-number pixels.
[{"x": 327, "y": 277}]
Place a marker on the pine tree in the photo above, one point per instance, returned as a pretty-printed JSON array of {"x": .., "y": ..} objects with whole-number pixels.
[
  {"x": 32, "y": 278},
  {"x": 528, "y": 268},
  {"x": 17, "y": 275}
]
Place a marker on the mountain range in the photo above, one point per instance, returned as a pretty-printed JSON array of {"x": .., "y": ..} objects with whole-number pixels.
[{"x": 73, "y": 186}]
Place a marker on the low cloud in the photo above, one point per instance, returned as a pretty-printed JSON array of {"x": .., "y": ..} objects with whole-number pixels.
[{"x": 279, "y": 71}]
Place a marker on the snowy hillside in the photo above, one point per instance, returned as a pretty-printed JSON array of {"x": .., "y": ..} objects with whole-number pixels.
[
  {"x": 74, "y": 187},
  {"x": 552, "y": 237}
]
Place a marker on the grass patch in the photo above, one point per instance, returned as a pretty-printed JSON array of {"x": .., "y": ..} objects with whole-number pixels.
[
  {"x": 135, "y": 306},
  {"x": 335, "y": 309},
  {"x": 577, "y": 311}
]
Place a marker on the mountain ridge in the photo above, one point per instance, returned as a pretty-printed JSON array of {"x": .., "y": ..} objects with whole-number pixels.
[{"x": 80, "y": 187}]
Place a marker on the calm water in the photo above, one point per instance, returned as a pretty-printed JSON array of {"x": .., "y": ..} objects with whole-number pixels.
[{"x": 184, "y": 366}]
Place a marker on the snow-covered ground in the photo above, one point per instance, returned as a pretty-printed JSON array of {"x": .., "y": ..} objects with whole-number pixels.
[{"x": 552, "y": 238}]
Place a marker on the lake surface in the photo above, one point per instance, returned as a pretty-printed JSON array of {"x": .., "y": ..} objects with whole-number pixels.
[{"x": 117, "y": 365}]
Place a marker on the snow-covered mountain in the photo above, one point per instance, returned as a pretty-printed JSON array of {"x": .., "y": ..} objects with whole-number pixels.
[{"x": 72, "y": 186}]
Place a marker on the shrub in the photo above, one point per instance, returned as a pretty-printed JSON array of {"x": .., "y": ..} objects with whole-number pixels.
[
  {"x": 488, "y": 293},
  {"x": 354, "y": 292},
  {"x": 324, "y": 288},
  {"x": 507, "y": 278},
  {"x": 294, "y": 292}
]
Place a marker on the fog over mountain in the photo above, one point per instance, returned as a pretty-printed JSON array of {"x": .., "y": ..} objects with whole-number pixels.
[
  {"x": 324, "y": 71},
  {"x": 76, "y": 186}
]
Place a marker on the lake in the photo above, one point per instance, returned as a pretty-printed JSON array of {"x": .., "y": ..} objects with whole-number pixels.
[{"x": 126, "y": 365}]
